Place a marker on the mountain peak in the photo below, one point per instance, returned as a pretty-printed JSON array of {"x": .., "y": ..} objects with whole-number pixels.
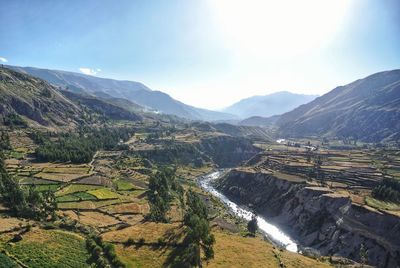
[{"x": 268, "y": 105}]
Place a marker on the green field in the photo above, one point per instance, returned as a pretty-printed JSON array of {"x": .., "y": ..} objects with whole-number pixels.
[
  {"x": 6, "y": 262},
  {"x": 122, "y": 185},
  {"x": 73, "y": 188},
  {"x": 48, "y": 249},
  {"x": 103, "y": 193},
  {"x": 77, "y": 196}
]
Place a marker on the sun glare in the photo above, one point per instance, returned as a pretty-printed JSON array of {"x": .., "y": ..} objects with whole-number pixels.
[{"x": 268, "y": 28}]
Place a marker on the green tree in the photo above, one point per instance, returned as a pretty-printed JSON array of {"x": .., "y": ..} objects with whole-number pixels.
[
  {"x": 159, "y": 196},
  {"x": 198, "y": 232},
  {"x": 363, "y": 255},
  {"x": 31, "y": 204},
  {"x": 10, "y": 190},
  {"x": 252, "y": 225},
  {"x": 5, "y": 141}
]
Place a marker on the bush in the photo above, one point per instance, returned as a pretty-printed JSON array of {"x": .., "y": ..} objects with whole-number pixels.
[
  {"x": 130, "y": 242},
  {"x": 387, "y": 190}
]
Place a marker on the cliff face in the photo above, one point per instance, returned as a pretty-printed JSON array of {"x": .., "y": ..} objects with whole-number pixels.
[
  {"x": 228, "y": 151},
  {"x": 317, "y": 217}
]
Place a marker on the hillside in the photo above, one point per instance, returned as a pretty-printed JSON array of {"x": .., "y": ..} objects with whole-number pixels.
[
  {"x": 26, "y": 100},
  {"x": 133, "y": 91},
  {"x": 24, "y": 97},
  {"x": 259, "y": 121},
  {"x": 268, "y": 105},
  {"x": 367, "y": 109}
]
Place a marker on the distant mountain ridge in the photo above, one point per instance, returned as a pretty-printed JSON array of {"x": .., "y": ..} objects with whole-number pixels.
[
  {"x": 268, "y": 105},
  {"x": 25, "y": 99},
  {"x": 133, "y": 91},
  {"x": 367, "y": 109}
]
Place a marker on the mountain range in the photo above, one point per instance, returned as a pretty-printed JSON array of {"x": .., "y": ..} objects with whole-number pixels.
[
  {"x": 135, "y": 92},
  {"x": 268, "y": 105},
  {"x": 30, "y": 100},
  {"x": 367, "y": 109}
]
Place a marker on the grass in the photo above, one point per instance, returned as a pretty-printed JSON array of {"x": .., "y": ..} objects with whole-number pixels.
[
  {"x": 77, "y": 196},
  {"x": 48, "y": 249},
  {"x": 378, "y": 204},
  {"x": 97, "y": 219},
  {"x": 48, "y": 187},
  {"x": 88, "y": 204},
  {"x": 236, "y": 251},
  {"x": 73, "y": 188},
  {"x": 36, "y": 181},
  {"x": 230, "y": 251},
  {"x": 17, "y": 155},
  {"x": 64, "y": 177},
  {"x": 7, "y": 262},
  {"x": 103, "y": 193},
  {"x": 288, "y": 177},
  {"x": 122, "y": 185},
  {"x": 67, "y": 170}
]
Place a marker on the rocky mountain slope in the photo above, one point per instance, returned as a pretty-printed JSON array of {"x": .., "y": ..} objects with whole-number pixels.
[
  {"x": 29, "y": 100},
  {"x": 367, "y": 109},
  {"x": 35, "y": 100},
  {"x": 268, "y": 105},
  {"x": 133, "y": 91},
  {"x": 318, "y": 218},
  {"x": 260, "y": 121}
]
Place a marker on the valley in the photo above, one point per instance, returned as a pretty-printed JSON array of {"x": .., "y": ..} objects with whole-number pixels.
[
  {"x": 121, "y": 186},
  {"x": 200, "y": 134}
]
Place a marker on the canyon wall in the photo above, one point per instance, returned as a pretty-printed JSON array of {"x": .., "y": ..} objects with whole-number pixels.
[{"x": 317, "y": 217}]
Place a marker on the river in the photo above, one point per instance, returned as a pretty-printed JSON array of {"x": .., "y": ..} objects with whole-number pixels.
[{"x": 271, "y": 231}]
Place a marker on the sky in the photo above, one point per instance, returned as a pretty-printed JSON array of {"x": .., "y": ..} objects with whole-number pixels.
[{"x": 207, "y": 53}]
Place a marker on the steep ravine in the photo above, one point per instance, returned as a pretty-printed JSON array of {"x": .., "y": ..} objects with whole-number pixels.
[{"x": 317, "y": 217}]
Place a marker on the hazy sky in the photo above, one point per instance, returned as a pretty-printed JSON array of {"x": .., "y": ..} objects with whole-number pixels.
[{"x": 207, "y": 53}]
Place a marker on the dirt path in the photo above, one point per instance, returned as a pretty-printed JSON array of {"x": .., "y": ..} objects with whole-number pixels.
[{"x": 91, "y": 162}]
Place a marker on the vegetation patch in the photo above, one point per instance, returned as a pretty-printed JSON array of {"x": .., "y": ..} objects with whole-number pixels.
[
  {"x": 53, "y": 248},
  {"x": 379, "y": 204},
  {"x": 73, "y": 188},
  {"x": 70, "y": 170},
  {"x": 134, "y": 208},
  {"x": 97, "y": 219},
  {"x": 103, "y": 193},
  {"x": 61, "y": 177},
  {"x": 7, "y": 262},
  {"x": 88, "y": 204},
  {"x": 122, "y": 185},
  {"x": 77, "y": 196}
]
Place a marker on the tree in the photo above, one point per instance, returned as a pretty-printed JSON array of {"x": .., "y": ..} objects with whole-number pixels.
[
  {"x": 162, "y": 187},
  {"x": 5, "y": 141},
  {"x": 252, "y": 225},
  {"x": 10, "y": 190},
  {"x": 363, "y": 255},
  {"x": 317, "y": 168},
  {"x": 198, "y": 232},
  {"x": 31, "y": 204}
]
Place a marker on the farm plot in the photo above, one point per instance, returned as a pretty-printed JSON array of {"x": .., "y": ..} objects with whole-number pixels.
[
  {"x": 53, "y": 248},
  {"x": 60, "y": 177},
  {"x": 104, "y": 193},
  {"x": 7, "y": 224},
  {"x": 77, "y": 196},
  {"x": 96, "y": 180},
  {"x": 83, "y": 205},
  {"x": 128, "y": 208},
  {"x": 151, "y": 232},
  {"x": 73, "y": 188},
  {"x": 97, "y": 219}
]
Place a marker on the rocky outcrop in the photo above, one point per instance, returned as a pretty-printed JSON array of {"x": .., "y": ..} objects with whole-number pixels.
[
  {"x": 227, "y": 151},
  {"x": 317, "y": 217}
]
